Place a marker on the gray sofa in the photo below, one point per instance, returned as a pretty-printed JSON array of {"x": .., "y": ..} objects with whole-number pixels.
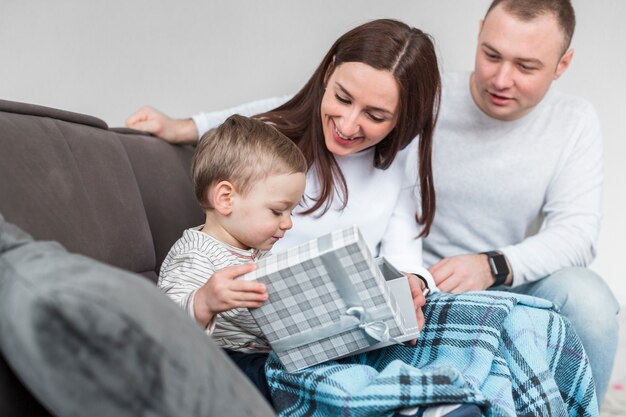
[{"x": 115, "y": 200}]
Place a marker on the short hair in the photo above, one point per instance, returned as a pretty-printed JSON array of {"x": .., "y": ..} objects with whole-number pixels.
[
  {"x": 242, "y": 151},
  {"x": 527, "y": 10}
]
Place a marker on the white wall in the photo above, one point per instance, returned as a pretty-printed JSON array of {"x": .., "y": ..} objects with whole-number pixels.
[{"x": 108, "y": 58}]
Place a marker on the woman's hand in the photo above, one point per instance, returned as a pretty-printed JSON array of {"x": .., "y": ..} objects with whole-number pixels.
[
  {"x": 222, "y": 292},
  {"x": 418, "y": 293},
  {"x": 150, "y": 120}
]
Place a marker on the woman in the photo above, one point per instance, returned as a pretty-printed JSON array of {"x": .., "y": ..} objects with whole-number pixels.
[
  {"x": 364, "y": 92},
  {"x": 355, "y": 120}
]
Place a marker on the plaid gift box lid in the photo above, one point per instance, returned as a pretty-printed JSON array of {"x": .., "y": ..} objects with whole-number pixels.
[{"x": 327, "y": 299}]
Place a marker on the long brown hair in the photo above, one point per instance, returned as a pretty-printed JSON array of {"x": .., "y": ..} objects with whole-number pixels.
[{"x": 388, "y": 45}]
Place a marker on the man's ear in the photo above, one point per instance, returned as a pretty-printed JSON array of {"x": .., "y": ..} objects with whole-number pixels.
[
  {"x": 563, "y": 63},
  {"x": 222, "y": 197}
]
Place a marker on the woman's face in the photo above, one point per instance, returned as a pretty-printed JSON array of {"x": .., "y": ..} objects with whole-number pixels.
[{"x": 359, "y": 107}]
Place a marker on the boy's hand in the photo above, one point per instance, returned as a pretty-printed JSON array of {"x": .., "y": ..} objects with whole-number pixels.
[
  {"x": 418, "y": 293},
  {"x": 222, "y": 292}
]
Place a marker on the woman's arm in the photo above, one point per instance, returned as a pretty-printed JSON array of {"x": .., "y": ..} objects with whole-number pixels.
[
  {"x": 206, "y": 121},
  {"x": 400, "y": 243},
  {"x": 150, "y": 120}
]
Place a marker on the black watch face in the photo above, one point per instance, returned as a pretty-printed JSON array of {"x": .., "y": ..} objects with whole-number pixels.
[{"x": 500, "y": 268}]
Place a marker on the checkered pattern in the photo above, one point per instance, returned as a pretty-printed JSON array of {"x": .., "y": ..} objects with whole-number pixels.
[
  {"x": 302, "y": 296},
  {"x": 508, "y": 353}
]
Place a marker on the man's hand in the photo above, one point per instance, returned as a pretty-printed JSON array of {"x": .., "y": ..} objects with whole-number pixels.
[
  {"x": 148, "y": 119},
  {"x": 222, "y": 292},
  {"x": 458, "y": 274},
  {"x": 418, "y": 294}
]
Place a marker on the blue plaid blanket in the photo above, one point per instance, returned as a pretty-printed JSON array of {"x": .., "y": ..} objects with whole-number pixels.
[{"x": 511, "y": 354}]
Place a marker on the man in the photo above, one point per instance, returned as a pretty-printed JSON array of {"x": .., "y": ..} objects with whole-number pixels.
[
  {"x": 518, "y": 176},
  {"x": 518, "y": 173}
]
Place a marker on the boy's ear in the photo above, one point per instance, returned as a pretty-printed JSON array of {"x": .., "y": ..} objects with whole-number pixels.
[{"x": 222, "y": 197}]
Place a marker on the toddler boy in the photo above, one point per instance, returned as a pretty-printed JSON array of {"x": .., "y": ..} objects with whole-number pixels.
[{"x": 247, "y": 177}]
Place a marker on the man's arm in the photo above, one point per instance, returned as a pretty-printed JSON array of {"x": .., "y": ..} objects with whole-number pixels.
[
  {"x": 572, "y": 212},
  {"x": 462, "y": 273},
  {"x": 571, "y": 217}
]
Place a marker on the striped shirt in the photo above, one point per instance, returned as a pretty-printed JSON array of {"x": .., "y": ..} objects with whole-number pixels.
[{"x": 189, "y": 264}]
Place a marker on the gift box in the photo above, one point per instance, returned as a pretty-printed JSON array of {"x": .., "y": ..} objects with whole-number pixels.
[{"x": 330, "y": 298}]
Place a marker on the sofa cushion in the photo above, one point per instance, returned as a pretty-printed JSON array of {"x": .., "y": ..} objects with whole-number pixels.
[
  {"x": 90, "y": 339},
  {"x": 163, "y": 174},
  {"x": 65, "y": 178}
]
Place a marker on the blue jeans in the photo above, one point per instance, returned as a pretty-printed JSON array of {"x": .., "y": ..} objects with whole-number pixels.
[{"x": 584, "y": 298}]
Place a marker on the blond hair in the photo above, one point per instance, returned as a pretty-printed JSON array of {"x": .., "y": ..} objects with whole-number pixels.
[{"x": 242, "y": 151}]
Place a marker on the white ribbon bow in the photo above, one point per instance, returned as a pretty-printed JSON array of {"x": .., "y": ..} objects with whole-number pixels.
[{"x": 377, "y": 330}]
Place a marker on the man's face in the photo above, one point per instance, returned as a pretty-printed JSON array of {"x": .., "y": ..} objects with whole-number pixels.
[{"x": 516, "y": 62}]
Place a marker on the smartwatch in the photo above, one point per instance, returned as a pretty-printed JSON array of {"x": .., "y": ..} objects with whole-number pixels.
[{"x": 498, "y": 266}]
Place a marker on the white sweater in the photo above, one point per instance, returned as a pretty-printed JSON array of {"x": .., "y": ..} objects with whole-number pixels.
[
  {"x": 382, "y": 203},
  {"x": 530, "y": 187}
]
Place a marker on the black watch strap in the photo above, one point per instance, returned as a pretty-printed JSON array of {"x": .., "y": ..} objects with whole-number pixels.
[
  {"x": 421, "y": 278},
  {"x": 499, "y": 267}
]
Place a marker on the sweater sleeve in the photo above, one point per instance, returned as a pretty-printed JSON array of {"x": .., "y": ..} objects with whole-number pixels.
[
  {"x": 184, "y": 274},
  {"x": 571, "y": 212},
  {"x": 400, "y": 243},
  {"x": 206, "y": 121}
]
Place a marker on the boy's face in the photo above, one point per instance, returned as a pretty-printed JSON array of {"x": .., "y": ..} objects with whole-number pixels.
[
  {"x": 263, "y": 215},
  {"x": 516, "y": 62}
]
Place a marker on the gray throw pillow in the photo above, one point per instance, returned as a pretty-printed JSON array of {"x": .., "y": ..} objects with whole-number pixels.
[{"x": 89, "y": 339}]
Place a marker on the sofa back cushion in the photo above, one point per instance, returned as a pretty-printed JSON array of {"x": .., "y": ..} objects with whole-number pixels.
[
  {"x": 119, "y": 197},
  {"x": 162, "y": 172}
]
